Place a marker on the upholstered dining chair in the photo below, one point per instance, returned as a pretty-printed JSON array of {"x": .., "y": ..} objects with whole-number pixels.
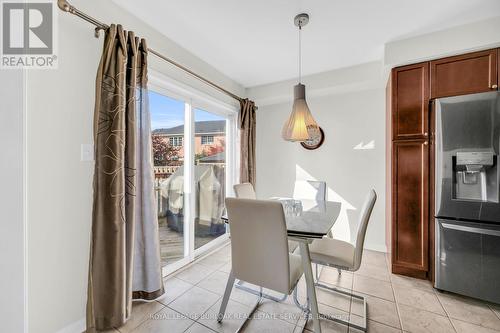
[
  {"x": 244, "y": 191},
  {"x": 310, "y": 189},
  {"x": 344, "y": 255},
  {"x": 259, "y": 249}
]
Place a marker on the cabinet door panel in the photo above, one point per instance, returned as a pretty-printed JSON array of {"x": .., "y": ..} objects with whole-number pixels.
[
  {"x": 410, "y": 101},
  {"x": 464, "y": 74},
  {"x": 410, "y": 197}
]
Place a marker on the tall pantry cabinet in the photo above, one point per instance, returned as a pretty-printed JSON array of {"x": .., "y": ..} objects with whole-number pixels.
[{"x": 411, "y": 90}]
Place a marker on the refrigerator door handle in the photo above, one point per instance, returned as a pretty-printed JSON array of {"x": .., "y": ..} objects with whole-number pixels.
[{"x": 471, "y": 229}]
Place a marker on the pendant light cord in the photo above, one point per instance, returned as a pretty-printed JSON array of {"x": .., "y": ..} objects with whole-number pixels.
[{"x": 300, "y": 53}]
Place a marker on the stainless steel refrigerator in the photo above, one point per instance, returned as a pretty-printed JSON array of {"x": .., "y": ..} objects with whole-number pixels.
[{"x": 467, "y": 208}]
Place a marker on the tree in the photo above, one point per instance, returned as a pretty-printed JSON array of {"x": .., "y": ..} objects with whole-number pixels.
[
  {"x": 163, "y": 151},
  {"x": 218, "y": 148}
]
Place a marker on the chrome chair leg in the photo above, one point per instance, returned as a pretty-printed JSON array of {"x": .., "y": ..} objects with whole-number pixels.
[
  {"x": 225, "y": 300},
  {"x": 338, "y": 320},
  {"x": 297, "y": 303},
  {"x": 239, "y": 285},
  {"x": 259, "y": 301},
  {"x": 317, "y": 271},
  {"x": 306, "y": 308}
]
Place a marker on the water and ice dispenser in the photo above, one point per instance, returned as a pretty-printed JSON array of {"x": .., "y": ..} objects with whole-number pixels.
[{"x": 475, "y": 176}]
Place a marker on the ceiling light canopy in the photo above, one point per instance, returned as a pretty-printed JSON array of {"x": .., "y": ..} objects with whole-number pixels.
[{"x": 301, "y": 125}]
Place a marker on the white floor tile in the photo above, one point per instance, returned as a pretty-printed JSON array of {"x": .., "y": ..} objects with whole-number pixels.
[
  {"x": 420, "y": 321},
  {"x": 167, "y": 320},
  {"x": 194, "y": 302},
  {"x": 469, "y": 310},
  {"x": 174, "y": 287}
]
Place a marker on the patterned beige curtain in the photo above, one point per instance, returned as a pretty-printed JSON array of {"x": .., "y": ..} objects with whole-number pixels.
[
  {"x": 247, "y": 124},
  {"x": 124, "y": 250}
]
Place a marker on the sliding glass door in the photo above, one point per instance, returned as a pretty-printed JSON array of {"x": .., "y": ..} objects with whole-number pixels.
[
  {"x": 210, "y": 176},
  {"x": 194, "y": 158},
  {"x": 167, "y": 124}
]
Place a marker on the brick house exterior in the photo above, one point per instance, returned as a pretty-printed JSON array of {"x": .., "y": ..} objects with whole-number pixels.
[
  {"x": 209, "y": 136},
  {"x": 209, "y": 141}
]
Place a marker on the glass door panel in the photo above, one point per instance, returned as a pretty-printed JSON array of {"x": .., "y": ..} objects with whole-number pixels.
[
  {"x": 210, "y": 176},
  {"x": 167, "y": 125},
  {"x": 194, "y": 158}
]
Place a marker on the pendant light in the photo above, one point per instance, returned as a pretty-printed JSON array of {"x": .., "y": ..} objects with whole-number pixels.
[{"x": 301, "y": 125}]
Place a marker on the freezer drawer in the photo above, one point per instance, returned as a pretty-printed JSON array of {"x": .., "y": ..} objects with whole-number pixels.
[{"x": 468, "y": 259}]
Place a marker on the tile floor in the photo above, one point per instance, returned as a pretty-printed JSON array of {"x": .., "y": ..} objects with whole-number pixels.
[{"x": 395, "y": 303}]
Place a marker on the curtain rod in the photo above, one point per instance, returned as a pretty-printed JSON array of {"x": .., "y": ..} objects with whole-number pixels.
[{"x": 66, "y": 7}]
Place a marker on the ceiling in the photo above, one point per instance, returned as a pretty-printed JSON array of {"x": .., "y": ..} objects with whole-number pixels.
[{"x": 255, "y": 42}]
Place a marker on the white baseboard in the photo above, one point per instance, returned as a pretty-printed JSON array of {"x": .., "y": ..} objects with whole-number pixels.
[{"x": 75, "y": 327}]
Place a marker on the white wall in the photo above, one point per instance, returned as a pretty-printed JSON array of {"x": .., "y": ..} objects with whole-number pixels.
[
  {"x": 460, "y": 39},
  {"x": 12, "y": 224},
  {"x": 59, "y": 119},
  {"x": 349, "y": 105}
]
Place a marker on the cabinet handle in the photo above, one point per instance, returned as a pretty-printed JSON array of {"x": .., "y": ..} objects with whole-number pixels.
[
  {"x": 426, "y": 134},
  {"x": 426, "y": 143},
  {"x": 495, "y": 86}
]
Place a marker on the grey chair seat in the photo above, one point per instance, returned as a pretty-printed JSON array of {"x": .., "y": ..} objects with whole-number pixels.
[{"x": 333, "y": 252}]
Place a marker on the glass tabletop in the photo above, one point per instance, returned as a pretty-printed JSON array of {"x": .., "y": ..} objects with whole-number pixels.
[{"x": 308, "y": 218}]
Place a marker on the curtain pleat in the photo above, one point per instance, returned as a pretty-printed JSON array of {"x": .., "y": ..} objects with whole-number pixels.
[
  {"x": 247, "y": 125},
  {"x": 124, "y": 251}
]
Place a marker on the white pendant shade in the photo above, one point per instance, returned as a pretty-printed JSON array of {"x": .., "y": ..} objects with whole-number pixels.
[{"x": 301, "y": 125}]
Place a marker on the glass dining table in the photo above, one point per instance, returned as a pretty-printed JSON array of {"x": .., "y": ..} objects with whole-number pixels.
[{"x": 307, "y": 220}]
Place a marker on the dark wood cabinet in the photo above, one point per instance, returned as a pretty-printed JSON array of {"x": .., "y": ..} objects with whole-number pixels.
[
  {"x": 410, "y": 101},
  {"x": 408, "y": 96},
  {"x": 464, "y": 74},
  {"x": 411, "y": 91},
  {"x": 410, "y": 207}
]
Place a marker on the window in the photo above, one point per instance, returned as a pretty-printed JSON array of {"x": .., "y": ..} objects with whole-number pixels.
[
  {"x": 207, "y": 139},
  {"x": 176, "y": 141}
]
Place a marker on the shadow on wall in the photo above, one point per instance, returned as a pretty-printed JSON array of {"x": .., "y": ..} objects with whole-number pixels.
[{"x": 344, "y": 227}]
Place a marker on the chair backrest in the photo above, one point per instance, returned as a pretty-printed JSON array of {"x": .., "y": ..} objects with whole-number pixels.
[
  {"x": 259, "y": 243},
  {"x": 244, "y": 191},
  {"x": 310, "y": 189},
  {"x": 366, "y": 212}
]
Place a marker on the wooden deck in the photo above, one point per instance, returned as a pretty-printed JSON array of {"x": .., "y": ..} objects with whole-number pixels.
[{"x": 172, "y": 243}]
